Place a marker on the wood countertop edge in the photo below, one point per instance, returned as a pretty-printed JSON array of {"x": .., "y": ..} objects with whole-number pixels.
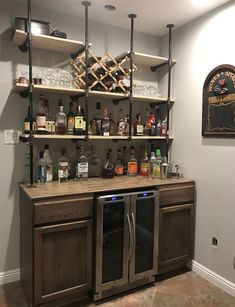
[{"x": 97, "y": 185}]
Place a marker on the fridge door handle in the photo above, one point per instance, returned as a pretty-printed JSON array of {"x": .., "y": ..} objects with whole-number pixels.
[
  {"x": 133, "y": 235},
  {"x": 130, "y": 235}
]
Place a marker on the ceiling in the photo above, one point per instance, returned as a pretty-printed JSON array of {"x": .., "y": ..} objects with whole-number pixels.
[{"x": 152, "y": 15}]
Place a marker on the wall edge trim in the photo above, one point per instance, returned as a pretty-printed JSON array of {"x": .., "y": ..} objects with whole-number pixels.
[
  {"x": 9, "y": 276},
  {"x": 214, "y": 278}
]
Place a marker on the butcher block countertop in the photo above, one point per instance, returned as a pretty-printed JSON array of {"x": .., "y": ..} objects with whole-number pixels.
[{"x": 96, "y": 185}]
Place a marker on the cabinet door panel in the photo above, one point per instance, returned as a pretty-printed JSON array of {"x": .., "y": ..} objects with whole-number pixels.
[
  {"x": 176, "y": 234},
  {"x": 62, "y": 260}
]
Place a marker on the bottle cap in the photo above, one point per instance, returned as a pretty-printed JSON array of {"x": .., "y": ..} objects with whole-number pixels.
[{"x": 46, "y": 146}]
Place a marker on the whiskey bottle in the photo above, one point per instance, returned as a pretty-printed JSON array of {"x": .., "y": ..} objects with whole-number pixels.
[
  {"x": 132, "y": 167},
  {"x": 61, "y": 120},
  {"x": 41, "y": 117},
  {"x": 63, "y": 166},
  {"x": 49, "y": 164},
  {"x": 138, "y": 127},
  {"x": 97, "y": 121},
  {"x": 27, "y": 121},
  {"x": 41, "y": 169},
  {"x": 82, "y": 165},
  {"x": 78, "y": 121},
  {"x": 105, "y": 123},
  {"x": 119, "y": 164},
  {"x": 70, "y": 119}
]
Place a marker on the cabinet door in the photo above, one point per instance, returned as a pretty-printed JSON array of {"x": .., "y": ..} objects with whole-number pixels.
[
  {"x": 144, "y": 219},
  {"x": 62, "y": 260},
  {"x": 175, "y": 235}
]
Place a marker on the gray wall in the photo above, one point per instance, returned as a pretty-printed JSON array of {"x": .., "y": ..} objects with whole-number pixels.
[
  {"x": 199, "y": 47},
  {"x": 13, "y": 108}
]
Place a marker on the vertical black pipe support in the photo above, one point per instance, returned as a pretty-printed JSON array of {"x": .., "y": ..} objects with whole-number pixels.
[
  {"x": 169, "y": 26},
  {"x": 30, "y": 89},
  {"x": 86, "y": 4},
  {"x": 132, "y": 17}
]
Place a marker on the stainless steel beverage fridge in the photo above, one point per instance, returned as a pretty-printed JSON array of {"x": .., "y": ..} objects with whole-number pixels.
[{"x": 126, "y": 241}]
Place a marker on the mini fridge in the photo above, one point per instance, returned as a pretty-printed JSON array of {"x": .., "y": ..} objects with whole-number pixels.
[{"x": 126, "y": 244}]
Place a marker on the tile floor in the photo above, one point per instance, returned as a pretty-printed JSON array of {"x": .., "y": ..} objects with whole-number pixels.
[{"x": 187, "y": 289}]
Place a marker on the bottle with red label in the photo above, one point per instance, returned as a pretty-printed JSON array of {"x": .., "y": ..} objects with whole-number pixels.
[
  {"x": 132, "y": 168},
  {"x": 145, "y": 165},
  {"x": 119, "y": 165}
]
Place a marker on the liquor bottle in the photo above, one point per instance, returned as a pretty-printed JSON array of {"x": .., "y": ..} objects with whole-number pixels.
[
  {"x": 144, "y": 165},
  {"x": 63, "y": 166},
  {"x": 70, "y": 119},
  {"x": 121, "y": 123},
  {"x": 84, "y": 121},
  {"x": 27, "y": 121},
  {"x": 94, "y": 164},
  {"x": 126, "y": 126},
  {"x": 48, "y": 120},
  {"x": 41, "y": 117},
  {"x": 41, "y": 169},
  {"x": 61, "y": 120},
  {"x": 158, "y": 121},
  {"x": 112, "y": 128},
  {"x": 82, "y": 164},
  {"x": 151, "y": 123},
  {"x": 124, "y": 160},
  {"x": 108, "y": 169},
  {"x": 158, "y": 163},
  {"x": 119, "y": 164},
  {"x": 132, "y": 167},
  {"x": 97, "y": 121},
  {"x": 138, "y": 127},
  {"x": 105, "y": 123},
  {"x": 49, "y": 164},
  {"x": 164, "y": 127},
  {"x": 153, "y": 165},
  {"x": 78, "y": 121}
]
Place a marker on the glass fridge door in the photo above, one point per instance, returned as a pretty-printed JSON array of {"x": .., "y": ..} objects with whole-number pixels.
[
  {"x": 112, "y": 241},
  {"x": 144, "y": 220}
]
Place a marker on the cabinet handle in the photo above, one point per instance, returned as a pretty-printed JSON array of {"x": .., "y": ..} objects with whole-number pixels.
[
  {"x": 174, "y": 208},
  {"x": 133, "y": 236},
  {"x": 130, "y": 235}
]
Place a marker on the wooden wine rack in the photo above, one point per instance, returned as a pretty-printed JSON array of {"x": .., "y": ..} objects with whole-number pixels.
[{"x": 104, "y": 74}]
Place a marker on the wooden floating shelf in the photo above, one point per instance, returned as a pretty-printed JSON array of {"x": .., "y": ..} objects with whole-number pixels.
[
  {"x": 149, "y": 60},
  {"x": 20, "y": 87},
  {"x": 92, "y": 137},
  {"x": 55, "y": 136},
  {"x": 114, "y": 137},
  {"x": 47, "y": 42},
  {"x": 150, "y": 138}
]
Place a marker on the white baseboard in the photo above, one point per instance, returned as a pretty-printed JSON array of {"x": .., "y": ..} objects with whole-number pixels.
[
  {"x": 214, "y": 278},
  {"x": 9, "y": 276}
]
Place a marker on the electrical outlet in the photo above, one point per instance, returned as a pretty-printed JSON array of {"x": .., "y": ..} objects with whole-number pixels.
[
  {"x": 214, "y": 242},
  {"x": 11, "y": 136}
]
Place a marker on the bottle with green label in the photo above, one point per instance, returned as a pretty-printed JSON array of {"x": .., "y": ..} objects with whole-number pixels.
[{"x": 158, "y": 163}]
